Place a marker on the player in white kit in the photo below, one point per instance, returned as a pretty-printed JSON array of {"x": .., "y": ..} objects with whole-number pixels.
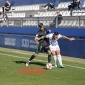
[{"x": 54, "y": 47}]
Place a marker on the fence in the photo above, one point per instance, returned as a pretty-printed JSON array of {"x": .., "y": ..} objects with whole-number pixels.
[{"x": 66, "y": 22}]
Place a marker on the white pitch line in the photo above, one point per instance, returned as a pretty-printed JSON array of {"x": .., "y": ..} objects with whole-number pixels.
[
  {"x": 75, "y": 66},
  {"x": 20, "y": 57},
  {"x": 42, "y": 61}
]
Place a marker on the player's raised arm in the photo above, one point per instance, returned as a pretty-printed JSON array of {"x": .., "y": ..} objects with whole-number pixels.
[
  {"x": 35, "y": 39},
  {"x": 65, "y": 37},
  {"x": 40, "y": 38}
]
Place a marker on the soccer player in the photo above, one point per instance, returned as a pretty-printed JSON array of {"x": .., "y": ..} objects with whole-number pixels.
[
  {"x": 43, "y": 44},
  {"x": 54, "y": 47}
]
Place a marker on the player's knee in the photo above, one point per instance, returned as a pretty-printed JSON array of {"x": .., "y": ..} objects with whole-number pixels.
[
  {"x": 53, "y": 53},
  {"x": 58, "y": 52},
  {"x": 49, "y": 52},
  {"x": 36, "y": 54}
]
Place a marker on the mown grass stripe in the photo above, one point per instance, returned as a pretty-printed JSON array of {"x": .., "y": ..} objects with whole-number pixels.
[{"x": 41, "y": 61}]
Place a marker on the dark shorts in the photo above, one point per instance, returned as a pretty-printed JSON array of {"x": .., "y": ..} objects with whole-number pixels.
[{"x": 41, "y": 48}]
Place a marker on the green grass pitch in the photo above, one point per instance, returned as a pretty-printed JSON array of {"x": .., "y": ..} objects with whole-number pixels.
[{"x": 11, "y": 61}]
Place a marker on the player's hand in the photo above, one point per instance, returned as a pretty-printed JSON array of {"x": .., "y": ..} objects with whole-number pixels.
[
  {"x": 71, "y": 39},
  {"x": 40, "y": 38},
  {"x": 36, "y": 41},
  {"x": 49, "y": 30}
]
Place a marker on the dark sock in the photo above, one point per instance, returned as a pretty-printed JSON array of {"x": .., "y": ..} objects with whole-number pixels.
[
  {"x": 49, "y": 58},
  {"x": 3, "y": 9},
  {"x": 32, "y": 57}
]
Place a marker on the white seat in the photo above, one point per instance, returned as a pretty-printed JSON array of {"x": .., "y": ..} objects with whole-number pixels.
[
  {"x": 59, "y": 6},
  {"x": 30, "y": 7},
  {"x": 51, "y": 14},
  {"x": 17, "y": 8},
  {"x": 77, "y": 23},
  {"x": 21, "y": 8},
  {"x": 25, "y": 8},
  {"x": 62, "y": 22},
  {"x": 74, "y": 23},
  {"x": 36, "y": 7},
  {"x": 84, "y": 4},
  {"x": 81, "y": 23},
  {"x": 70, "y": 23},
  {"x": 75, "y": 14},
  {"x": 67, "y": 13},
  {"x": 64, "y": 5}
]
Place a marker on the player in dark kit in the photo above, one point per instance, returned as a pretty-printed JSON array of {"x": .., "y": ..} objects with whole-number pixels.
[{"x": 43, "y": 44}]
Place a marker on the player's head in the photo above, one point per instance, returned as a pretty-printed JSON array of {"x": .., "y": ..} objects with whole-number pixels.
[
  {"x": 41, "y": 26},
  {"x": 55, "y": 35}
]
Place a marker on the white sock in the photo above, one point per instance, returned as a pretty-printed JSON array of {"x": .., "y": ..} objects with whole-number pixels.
[
  {"x": 54, "y": 57},
  {"x": 60, "y": 59}
]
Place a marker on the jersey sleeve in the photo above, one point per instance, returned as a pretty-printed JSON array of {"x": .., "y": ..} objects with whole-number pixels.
[
  {"x": 59, "y": 36},
  {"x": 36, "y": 36},
  {"x": 49, "y": 35}
]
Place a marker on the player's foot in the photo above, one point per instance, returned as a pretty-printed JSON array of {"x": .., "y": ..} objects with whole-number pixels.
[
  {"x": 55, "y": 65},
  {"x": 27, "y": 64},
  {"x": 62, "y": 66}
]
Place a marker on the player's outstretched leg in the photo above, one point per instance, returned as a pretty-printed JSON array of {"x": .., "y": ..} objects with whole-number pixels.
[
  {"x": 49, "y": 58},
  {"x": 49, "y": 55},
  {"x": 31, "y": 58}
]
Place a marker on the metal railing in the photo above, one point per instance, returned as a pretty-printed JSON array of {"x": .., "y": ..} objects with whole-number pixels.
[{"x": 66, "y": 22}]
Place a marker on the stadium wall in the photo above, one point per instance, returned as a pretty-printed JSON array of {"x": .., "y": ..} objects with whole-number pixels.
[
  {"x": 24, "y": 42},
  {"x": 32, "y": 31}
]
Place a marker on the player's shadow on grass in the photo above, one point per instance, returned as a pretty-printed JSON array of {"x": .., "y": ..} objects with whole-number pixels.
[
  {"x": 20, "y": 62},
  {"x": 35, "y": 63}
]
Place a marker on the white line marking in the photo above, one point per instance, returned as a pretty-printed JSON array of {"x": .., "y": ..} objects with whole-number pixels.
[
  {"x": 7, "y": 69},
  {"x": 41, "y": 60},
  {"x": 20, "y": 57},
  {"x": 75, "y": 66}
]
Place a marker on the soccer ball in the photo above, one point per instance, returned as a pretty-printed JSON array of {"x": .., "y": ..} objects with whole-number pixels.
[{"x": 49, "y": 66}]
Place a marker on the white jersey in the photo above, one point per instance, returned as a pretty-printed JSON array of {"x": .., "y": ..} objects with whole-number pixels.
[{"x": 51, "y": 40}]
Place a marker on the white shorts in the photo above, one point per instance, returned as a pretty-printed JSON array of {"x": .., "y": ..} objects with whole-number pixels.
[{"x": 54, "y": 47}]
